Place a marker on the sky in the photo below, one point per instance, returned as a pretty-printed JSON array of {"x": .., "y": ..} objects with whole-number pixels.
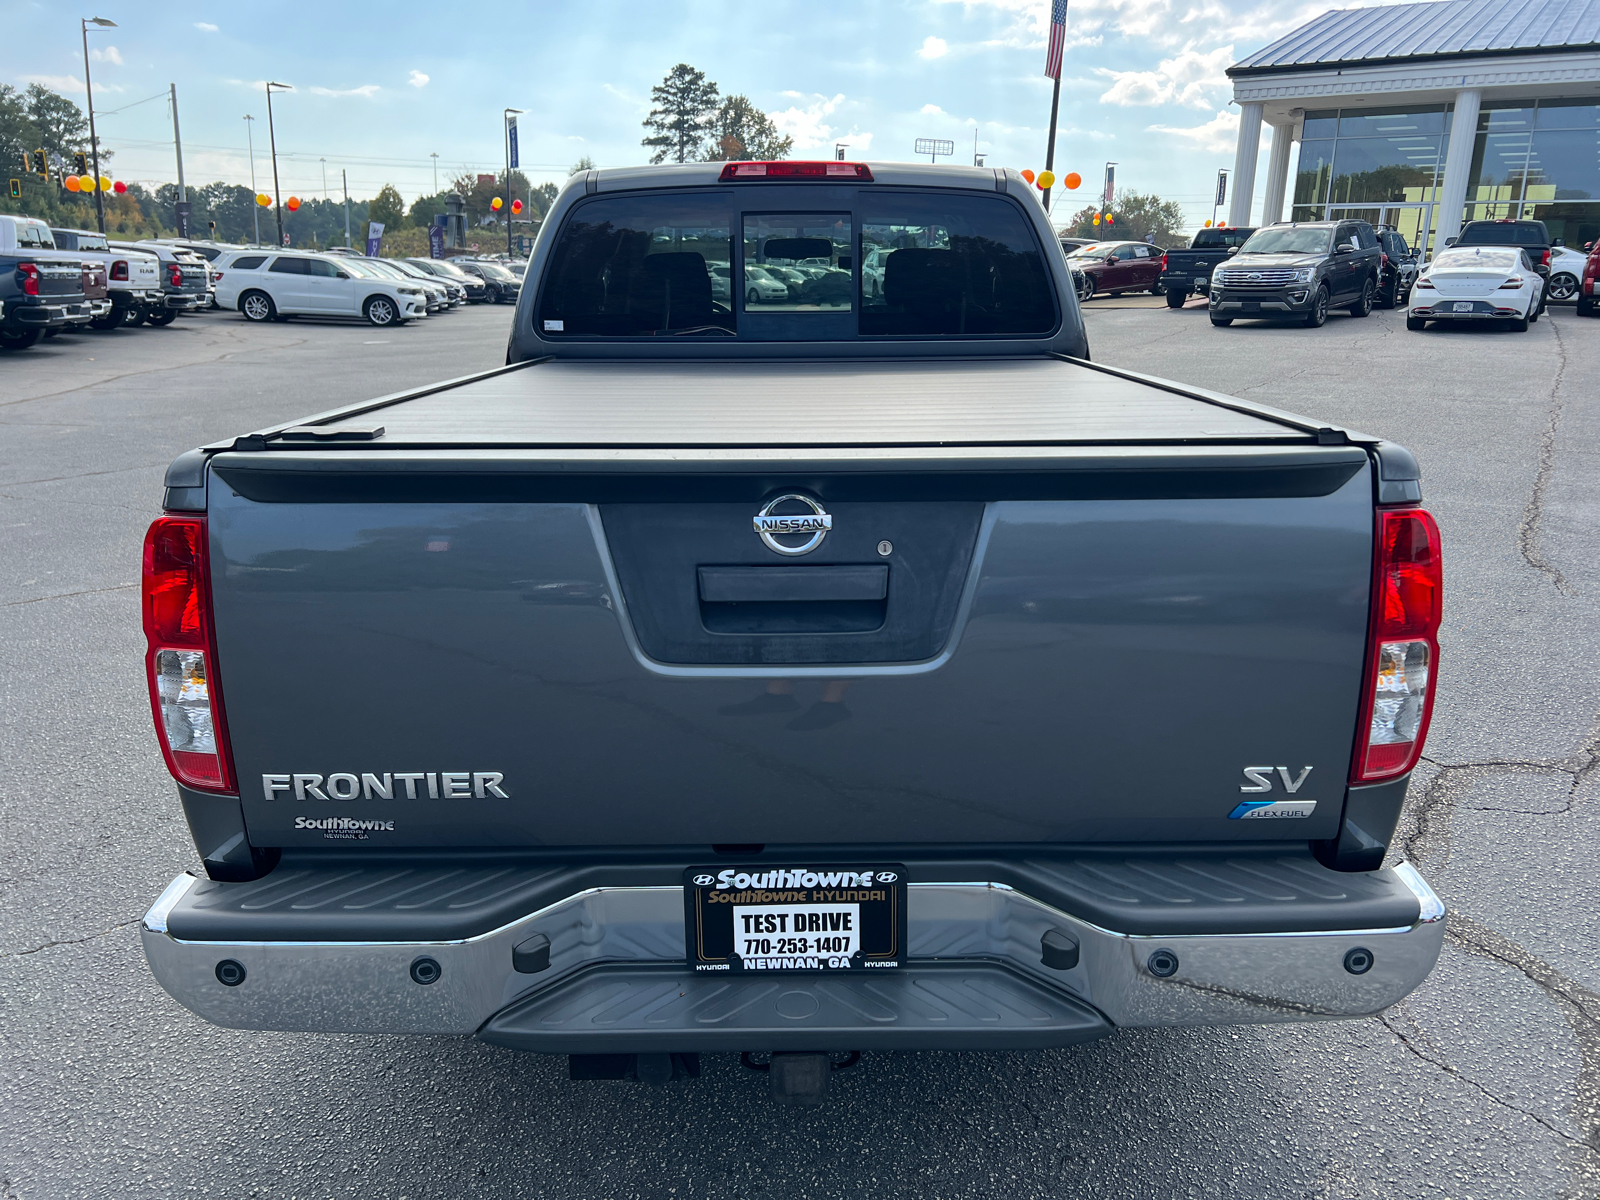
[{"x": 380, "y": 88}]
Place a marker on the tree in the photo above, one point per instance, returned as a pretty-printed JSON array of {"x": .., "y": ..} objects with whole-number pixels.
[
  {"x": 583, "y": 164},
  {"x": 541, "y": 198},
  {"x": 685, "y": 106},
  {"x": 388, "y": 208},
  {"x": 59, "y": 125},
  {"x": 740, "y": 130},
  {"x": 1134, "y": 215}
]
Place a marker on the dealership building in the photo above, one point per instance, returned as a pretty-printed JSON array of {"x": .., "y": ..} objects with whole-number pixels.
[{"x": 1422, "y": 116}]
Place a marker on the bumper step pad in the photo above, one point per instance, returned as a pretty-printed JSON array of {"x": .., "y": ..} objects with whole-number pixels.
[{"x": 965, "y": 1006}]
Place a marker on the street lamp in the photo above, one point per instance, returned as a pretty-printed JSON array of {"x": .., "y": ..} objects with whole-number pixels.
[
  {"x": 255, "y": 209},
  {"x": 507, "y": 123},
  {"x": 94, "y": 145},
  {"x": 272, "y": 137}
]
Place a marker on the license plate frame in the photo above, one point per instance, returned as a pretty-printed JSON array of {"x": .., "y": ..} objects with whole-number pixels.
[
  {"x": 859, "y": 905},
  {"x": 1463, "y": 306}
]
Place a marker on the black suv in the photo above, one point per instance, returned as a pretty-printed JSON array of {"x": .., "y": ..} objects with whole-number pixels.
[
  {"x": 1399, "y": 271},
  {"x": 503, "y": 287},
  {"x": 1299, "y": 269}
]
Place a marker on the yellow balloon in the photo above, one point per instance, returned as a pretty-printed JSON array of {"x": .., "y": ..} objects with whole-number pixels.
[
  {"x": 1046, "y": 178},
  {"x": 1208, "y": 224},
  {"x": 264, "y": 200},
  {"x": 105, "y": 183},
  {"x": 495, "y": 203}
]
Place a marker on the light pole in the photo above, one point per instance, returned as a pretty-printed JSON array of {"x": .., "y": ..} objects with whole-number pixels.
[
  {"x": 435, "y": 157},
  {"x": 94, "y": 144},
  {"x": 255, "y": 209},
  {"x": 272, "y": 138},
  {"x": 507, "y": 123}
]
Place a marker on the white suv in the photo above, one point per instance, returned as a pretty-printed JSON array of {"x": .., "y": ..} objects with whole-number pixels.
[{"x": 269, "y": 285}]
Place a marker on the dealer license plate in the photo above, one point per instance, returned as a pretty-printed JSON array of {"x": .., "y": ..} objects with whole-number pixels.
[
  {"x": 810, "y": 918},
  {"x": 1199, "y": 280},
  {"x": 1463, "y": 306}
]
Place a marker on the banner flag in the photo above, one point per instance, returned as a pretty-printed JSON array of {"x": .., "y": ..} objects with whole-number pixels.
[
  {"x": 511, "y": 132},
  {"x": 435, "y": 241}
]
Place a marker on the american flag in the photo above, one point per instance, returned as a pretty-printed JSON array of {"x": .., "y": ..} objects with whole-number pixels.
[{"x": 1058, "y": 38}]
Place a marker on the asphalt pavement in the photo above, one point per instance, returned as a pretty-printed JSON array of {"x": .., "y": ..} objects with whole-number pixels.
[{"x": 1484, "y": 1084}]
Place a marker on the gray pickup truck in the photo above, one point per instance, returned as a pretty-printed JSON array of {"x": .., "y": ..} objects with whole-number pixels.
[{"x": 792, "y": 678}]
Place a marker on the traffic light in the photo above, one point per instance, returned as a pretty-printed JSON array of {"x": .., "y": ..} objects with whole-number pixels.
[
  {"x": 80, "y": 163},
  {"x": 40, "y": 166},
  {"x": 16, "y": 189},
  {"x": 212, "y": 225}
]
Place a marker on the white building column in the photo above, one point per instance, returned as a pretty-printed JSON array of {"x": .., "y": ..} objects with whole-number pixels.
[
  {"x": 1277, "y": 173},
  {"x": 1244, "y": 163},
  {"x": 1457, "y": 168}
]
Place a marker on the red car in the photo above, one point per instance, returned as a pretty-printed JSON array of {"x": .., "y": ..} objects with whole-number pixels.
[{"x": 1589, "y": 288}]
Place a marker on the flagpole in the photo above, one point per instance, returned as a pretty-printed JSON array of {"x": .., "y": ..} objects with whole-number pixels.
[{"x": 1050, "y": 146}]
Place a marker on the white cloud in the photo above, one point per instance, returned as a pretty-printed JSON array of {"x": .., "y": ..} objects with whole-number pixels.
[
  {"x": 108, "y": 54},
  {"x": 1218, "y": 135},
  {"x": 1189, "y": 78},
  {"x": 366, "y": 91},
  {"x": 417, "y": 79},
  {"x": 934, "y": 48},
  {"x": 931, "y": 110},
  {"x": 67, "y": 83},
  {"x": 205, "y": 27},
  {"x": 805, "y": 123}
]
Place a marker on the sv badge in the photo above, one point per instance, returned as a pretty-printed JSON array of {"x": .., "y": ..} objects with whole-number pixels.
[{"x": 1261, "y": 781}]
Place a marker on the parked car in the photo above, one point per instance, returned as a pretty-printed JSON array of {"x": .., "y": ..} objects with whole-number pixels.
[
  {"x": 133, "y": 277},
  {"x": 185, "y": 278},
  {"x": 1566, "y": 274},
  {"x": 270, "y": 285},
  {"x": 1188, "y": 272},
  {"x": 680, "y": 689},
  {"x": 1532, "y": 236},
  {"x": 500, "y": 285},
  {"x": 1069, "y": 244},
  {"x": 1116, "y": 267},
  {"x": 26, "y": 234},
  {"x": 455, "y": 292},
  {"x": 1478, "y": 283},
  {"x": 1589, "y": 285},
  {"x": 721, "y": 282},
  {"x": 39, "y": 292},
  {"x": 96, "y": 301},
  {"x": 435, "y": 292},
  {"x": 1398, "y": 270},
  {"x": 1299, "y": 269},
  {"x": 761, "y": 286},
  {"x": 474, "y": 287},
  {"x": 872, "y": 270}
]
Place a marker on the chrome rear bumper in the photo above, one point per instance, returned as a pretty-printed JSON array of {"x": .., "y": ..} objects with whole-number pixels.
[{"x": 616, "y": 978}]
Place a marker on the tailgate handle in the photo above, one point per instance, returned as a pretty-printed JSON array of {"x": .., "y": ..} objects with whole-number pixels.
[{"x": 778, "y": 585}]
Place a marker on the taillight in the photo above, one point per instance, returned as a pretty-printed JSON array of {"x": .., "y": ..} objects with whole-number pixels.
[
  {"x": 119, "y": 269},
  {"x": 795, "y": 170},
  {"x": 1163, "y": 262},
  {"x": 1403, "y": 651},
  {"x": 181, "y": 659},
  {"x": 174, "y": 274},
  {"x": 1514, "y": 282},
  {"x": 216, "y": 275},
  {"x": 1383, "y": 261},
  {"x": 29, "y": 278},
  {"x": 1544, "y": 259}
]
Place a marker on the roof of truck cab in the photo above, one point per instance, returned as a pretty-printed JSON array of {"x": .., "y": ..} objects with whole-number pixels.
[
  {"x": 1038, "y": 401},
  {"x": 705, "y": 174}
]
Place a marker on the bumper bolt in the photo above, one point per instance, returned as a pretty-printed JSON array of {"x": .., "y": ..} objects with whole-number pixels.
[
  {"x": 1358, "y": 961},
  {"x": 426, "y": 970},
  {"x": 1162, "y": 963}
]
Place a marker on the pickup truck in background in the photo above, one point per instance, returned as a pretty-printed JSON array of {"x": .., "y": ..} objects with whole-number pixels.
[
  {"x": 1532, "y": 236},
  {"x": 792, "y": 679},
  {"x": 133, "y": 278},
  {"x": 183, "y": 281},
  {"x": 1186, "y": 273},
  {"x": 39, "y": 293}
]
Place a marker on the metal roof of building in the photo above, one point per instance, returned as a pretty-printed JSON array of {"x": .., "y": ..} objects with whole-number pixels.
[{"x": 1439, "y": 29}]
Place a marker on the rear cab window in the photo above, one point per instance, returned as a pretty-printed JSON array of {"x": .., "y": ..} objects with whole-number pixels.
[
  {"x": 1510, "y": 233},
  {"x": 1214, "y": 238},
  {"x": 898, "y": 262}
]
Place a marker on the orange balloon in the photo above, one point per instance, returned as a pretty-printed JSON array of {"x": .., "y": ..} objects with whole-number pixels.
[
  {"x": 1072, "y": 180},
  {"x": 294, "y": 204},
  {"x": 71, "y": 183},
  {"x": 1028, "y": 175},
  {"x": 516, "y": 206}
]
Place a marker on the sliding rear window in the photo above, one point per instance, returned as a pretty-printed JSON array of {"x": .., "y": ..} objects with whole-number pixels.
[{"x": 895, "y": 263}]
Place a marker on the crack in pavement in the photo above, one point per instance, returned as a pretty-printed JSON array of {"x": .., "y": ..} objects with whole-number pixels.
[
  {"x": 121, "y": 587},
  {"x": 1432, "y": 812},
  {"x": 1578, "y": 1004},
  {"x": 71, "y": 941},
  {"x": 1528, "y": 528}
]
